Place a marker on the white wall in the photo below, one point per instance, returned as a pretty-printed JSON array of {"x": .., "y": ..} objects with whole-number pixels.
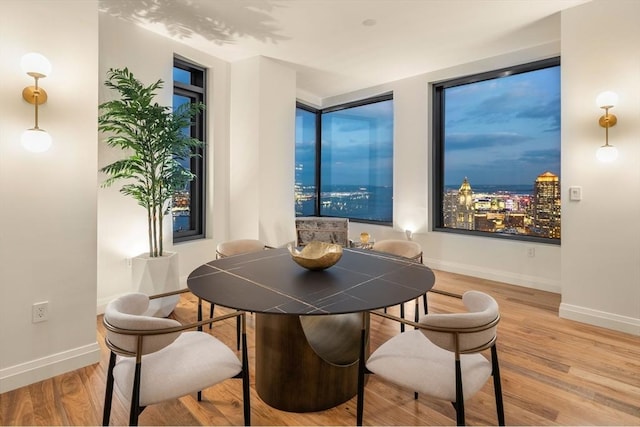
[
  {"x": 601, "y": 235},
  {"x": 48, "y": 201},
  {"x": 262, "y": 151},
  {"x": 244, "y": 159},
  {"x": 277, "y": 152},
  {"x": 122, "y": 231}
]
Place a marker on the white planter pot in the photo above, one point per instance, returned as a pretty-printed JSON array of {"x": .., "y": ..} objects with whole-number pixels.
[{"x": 155, "y": 276}]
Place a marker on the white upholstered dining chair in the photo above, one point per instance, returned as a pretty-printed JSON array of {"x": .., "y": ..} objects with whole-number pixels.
[
  {"x": 239, "y": 247},
  {"x": 406, "y": 249},
  {"x": 442, "y": 358},
  {"x": 231, "y": 248},
  {"x": 156, "y": 359}
]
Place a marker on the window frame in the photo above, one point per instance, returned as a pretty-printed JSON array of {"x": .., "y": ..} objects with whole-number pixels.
[
  {"x": 197, "y": 91},
  {"x": 437, "y": 93},
  {"x": 318, "y": 124},
  {"x": 387, "y": 96}
]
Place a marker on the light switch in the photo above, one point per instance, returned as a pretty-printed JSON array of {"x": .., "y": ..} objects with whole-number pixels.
[{"x": 575, "y": 193}]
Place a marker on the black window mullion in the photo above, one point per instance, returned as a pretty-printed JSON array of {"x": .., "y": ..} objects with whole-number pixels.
[{"x": 318, "y": 161}]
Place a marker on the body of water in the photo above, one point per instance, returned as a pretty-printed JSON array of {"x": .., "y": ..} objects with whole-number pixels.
[
  {"x": 357, "y": 202},
  {"x": 181, "y": 222}
]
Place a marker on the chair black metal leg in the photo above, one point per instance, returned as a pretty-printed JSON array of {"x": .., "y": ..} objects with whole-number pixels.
[
  {"x": 424, "y": 302},
  {"x": 402, "y": 315},
  {"x": 135, "y": 398},
  {"x": 497, "y": 385},
  {"x": 416, "y": 315},
  {"x": 245, "y": 382},
  {"x": 211, "y": 315},
  {"x": 238, "y": 332},
  {"x": 108, "y": 394},
  {"x": 361, "y": 372},
  {"x": 459, "y": 405},
  {"x": 199, "y": 313}
]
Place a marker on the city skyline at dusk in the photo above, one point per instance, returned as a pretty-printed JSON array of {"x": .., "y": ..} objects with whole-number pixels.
[{"x": 516, "y": 210}]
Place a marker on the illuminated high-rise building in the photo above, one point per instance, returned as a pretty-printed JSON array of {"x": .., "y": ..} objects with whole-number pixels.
[
  {"x": 449, "y": 208},
  {"x": 546, "y": 205},
  {"x": 465, "y": 209}
]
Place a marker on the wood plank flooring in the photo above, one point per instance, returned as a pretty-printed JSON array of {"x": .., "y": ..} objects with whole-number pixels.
[{"x": 554, "y": 372}]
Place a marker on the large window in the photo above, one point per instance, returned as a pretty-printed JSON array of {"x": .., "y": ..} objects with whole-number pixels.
[
  {"x": 188, "y": 204},
  {"x": 344, "y": 161},
  {"x": 497, "y": 153}
]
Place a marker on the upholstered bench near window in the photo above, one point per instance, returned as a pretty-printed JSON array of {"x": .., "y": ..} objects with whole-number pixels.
[{"x": 323, "y": 229}]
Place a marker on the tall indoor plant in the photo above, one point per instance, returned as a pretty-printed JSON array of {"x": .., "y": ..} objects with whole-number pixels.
[{"x": 157, "y": 143}]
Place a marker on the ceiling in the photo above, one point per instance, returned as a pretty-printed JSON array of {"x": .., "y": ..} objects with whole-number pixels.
[{"x": 339, "y": 46}]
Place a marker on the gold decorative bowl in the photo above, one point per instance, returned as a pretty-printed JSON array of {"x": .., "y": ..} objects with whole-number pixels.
[{"x": 316, "y": 255}]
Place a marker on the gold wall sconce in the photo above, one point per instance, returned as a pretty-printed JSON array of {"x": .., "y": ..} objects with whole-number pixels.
[
  {"x": 37, "y": 66},
  {"x": 606, "y": 100}
]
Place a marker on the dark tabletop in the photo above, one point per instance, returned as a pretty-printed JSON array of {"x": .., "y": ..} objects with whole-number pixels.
[{"x": 271, "y": 282}]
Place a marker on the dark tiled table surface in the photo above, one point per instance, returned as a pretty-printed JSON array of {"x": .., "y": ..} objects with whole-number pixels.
[{"x": 271, "y": 282}]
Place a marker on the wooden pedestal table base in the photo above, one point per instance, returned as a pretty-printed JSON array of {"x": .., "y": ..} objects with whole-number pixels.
[{"x": 307, "y": 363}]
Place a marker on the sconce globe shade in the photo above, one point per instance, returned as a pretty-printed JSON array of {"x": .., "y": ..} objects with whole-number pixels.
[
  {"x": 607, "y": 153},
  {"x": 607, "y": 99},
  {"x": 35, "y": 63},
  {"x": 36, "y": 140}
]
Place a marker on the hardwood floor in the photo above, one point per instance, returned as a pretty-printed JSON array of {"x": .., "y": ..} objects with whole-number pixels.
[{"x": 554, "y": 372}]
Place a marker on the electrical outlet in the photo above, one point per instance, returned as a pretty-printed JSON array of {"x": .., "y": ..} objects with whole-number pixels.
[
  {"x": 40, "y": 312},
  {"x": 531, "y": 252}
]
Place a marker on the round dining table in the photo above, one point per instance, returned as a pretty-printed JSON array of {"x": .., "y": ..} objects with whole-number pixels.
[{"x": 308, "y": 324}]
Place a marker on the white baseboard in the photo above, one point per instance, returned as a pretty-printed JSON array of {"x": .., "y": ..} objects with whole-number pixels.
[
  {"x": 603, "y": 319},
  {"x": 534, "y": 282},
  {"x": 589, "y": 316},
  {"x": 41, "y": 369}
]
